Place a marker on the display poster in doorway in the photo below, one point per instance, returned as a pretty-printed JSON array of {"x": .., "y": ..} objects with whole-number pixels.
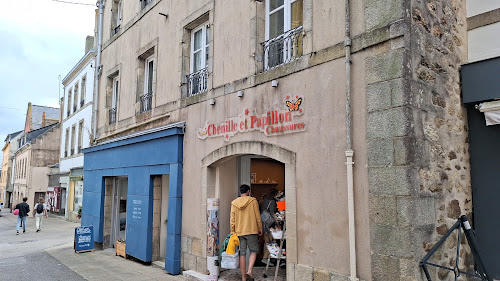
[
  {"x": 84, "y": 238},
  {"x": 277, "y": 121},
  {"x": 213, "y": 238}
]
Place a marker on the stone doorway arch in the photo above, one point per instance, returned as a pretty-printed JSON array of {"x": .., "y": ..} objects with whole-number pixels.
[{"x": 287, "y": 157}]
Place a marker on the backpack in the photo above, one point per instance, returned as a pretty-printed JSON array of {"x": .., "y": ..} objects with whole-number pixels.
[{"x": 39, "y": 208}]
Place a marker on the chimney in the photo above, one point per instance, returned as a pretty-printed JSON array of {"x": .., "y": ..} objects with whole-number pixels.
[
  {"x": 43, "y": 119},
  {"x": 89, "y": 43}
]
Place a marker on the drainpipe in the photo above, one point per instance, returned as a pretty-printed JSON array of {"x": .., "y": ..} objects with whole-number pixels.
[
  {"x": 349, "y": 152},
  {"x": 97, "y": 71}
]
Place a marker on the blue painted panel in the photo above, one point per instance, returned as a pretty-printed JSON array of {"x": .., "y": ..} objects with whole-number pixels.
[
  {"x": 138, "y": 159},
  {"x": 93, "y": 181},
  {"x": 174, "y": 224},
  {"x": 154, "y": 152},
  {"x": 97, "y": 223},
  {"x": 173, "y": 246},
  {"x": 173, "y": 266},
  {"x": 159, "y": 170},
  {"x": 175, "y": 181},
  {"x": 92, "y": 203},
  {"x": 139, "y": 211},
  {"x": 139, "y": 242},
  {"x": 139, "y": 181},
  {"x": 171, "y": 133}
]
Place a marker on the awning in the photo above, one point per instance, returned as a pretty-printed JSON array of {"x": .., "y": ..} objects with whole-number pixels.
[{"x": 491, "y": 112}]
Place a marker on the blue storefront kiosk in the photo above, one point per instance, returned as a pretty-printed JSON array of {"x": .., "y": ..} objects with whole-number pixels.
[{"x": 139, "y": 157}]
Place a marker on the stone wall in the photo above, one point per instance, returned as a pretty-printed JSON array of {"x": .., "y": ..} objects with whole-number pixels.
[
  {"x": 191, "y": 254},
  {"x": 417, "y": 137}
]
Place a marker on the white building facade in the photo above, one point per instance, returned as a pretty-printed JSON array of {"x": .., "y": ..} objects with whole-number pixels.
[{"x": 76, "y": 132}]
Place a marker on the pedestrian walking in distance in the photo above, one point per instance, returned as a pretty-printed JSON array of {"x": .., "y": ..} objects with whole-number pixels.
[
  {"x": 39, "y": 212},
  {"x": 24, "y": 210},
  {"x": 247, "y": 224}
]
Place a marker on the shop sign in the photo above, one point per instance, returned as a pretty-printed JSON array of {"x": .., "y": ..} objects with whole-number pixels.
[
  {"x": 278, "y": 121},
  {"x": 76, "y": 178},
  {"x": 84, "y": 238}
]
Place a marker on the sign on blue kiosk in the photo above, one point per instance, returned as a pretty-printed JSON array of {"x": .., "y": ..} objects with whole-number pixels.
[{"x": 84, "y": 238}]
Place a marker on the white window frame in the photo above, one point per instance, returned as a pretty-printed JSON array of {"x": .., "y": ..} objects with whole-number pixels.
[
  {"x": 287, "y": 17},
  {"x": 70, "y": 97},
  {"x": 119, "y": 14},
  {"x": 116, "y": 89},
  {"x": 75, "y": 94},
  {"x": 146, "y": 74},
  {"x": 83, "y": 89},
  {"x": 205, "y": 27}
]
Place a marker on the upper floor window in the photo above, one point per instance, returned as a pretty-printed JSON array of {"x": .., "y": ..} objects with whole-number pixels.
[
  {"x": 82, "y": 90},
  {"x": 66, "y": 143},
  {"x": 73, "y": 136},
  {"x": 144, "y": 3},
  {"x": 80, "y": 136},
  {"x": 114, "y": 100},
  {"x": 116, "y": 16},
  {"x": 283, "y": 32},
  {"x": 147, "y": 96},
  {"x": 197, "y": 79},
  {"x": 75, "y": 97},
  {"x": 69, "y": 101}
]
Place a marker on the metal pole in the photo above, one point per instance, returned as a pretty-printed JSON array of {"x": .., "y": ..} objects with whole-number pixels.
[{"x": 97, "y": 69}]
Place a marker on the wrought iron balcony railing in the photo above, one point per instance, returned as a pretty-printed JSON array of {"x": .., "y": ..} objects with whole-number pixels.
[
  {"x": 283, "y": 49},
  {"x": 79, "y": 150},
  {"x": 82, "y": 102},
  {"x": 74, "y": 108},
  {"x": 69, "y": 112},
  {"x": 112, "y": 115},
  {"x": 197, "y": 82},
  {"x": 146, "y": 102},
  {"x": 72, "y": 151},
  {"x": 65, "y": 153},
  {"x": 117, "y": 29}
]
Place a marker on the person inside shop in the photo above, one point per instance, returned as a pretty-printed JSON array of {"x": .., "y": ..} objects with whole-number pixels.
[
  {"x": 268, "y": 205},
  {"x": 246, "y": 223}
]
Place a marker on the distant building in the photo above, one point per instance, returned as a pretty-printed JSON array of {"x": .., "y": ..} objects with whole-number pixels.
[
  {"x": 76, "y": 132},
  {"x": 39, "y": 149},
  {"x": 6, "y": 183}
]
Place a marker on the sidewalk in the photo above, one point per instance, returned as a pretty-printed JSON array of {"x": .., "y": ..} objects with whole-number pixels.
[{"x": 104, "y": 265}]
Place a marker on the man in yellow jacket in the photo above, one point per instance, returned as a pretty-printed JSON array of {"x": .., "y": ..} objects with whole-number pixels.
[{"x": 246, "y": 223}]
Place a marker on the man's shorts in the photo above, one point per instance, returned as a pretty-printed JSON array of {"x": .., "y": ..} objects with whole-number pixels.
[{"x": 252, "y": 241}]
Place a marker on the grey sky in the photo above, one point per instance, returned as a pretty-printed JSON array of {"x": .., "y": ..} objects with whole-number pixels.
[{"x": 40, "y": 40}]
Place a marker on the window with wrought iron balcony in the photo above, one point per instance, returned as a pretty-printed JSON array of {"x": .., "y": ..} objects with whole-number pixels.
[
  {"x": 198, "y": 77},
  {"x": 147, "y": 97},
  {"x": 112, "y": 115},
  {"x": 284, "y": 32},
  {"x": 74, "y": 107}
]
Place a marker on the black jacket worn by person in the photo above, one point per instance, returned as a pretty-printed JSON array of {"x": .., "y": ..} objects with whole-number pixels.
[{"x": 24, "y": 209}]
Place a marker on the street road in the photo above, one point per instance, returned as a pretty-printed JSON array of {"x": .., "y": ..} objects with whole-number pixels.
[{"x": 23, "y": 256}]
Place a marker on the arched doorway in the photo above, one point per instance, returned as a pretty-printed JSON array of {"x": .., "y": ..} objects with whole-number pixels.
[{"x": 226, "y": 168}]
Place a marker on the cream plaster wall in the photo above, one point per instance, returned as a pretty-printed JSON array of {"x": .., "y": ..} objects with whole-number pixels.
[
  {"x": 234, "y": 34},
  {"x": 322, "y": 232}
]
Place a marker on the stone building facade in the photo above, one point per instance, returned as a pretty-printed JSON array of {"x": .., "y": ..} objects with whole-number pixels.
[{"x": 180, "y": 79}]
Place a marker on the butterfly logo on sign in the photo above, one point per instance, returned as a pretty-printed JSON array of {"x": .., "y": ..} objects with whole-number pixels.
[{"x": 294, "y": 106}]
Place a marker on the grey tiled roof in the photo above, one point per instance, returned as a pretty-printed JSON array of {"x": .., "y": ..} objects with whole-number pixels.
[{"x": 37, "y": 113}]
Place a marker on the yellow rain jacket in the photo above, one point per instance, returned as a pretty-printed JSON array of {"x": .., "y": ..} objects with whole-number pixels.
[{"x": 245, "y": 216}]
